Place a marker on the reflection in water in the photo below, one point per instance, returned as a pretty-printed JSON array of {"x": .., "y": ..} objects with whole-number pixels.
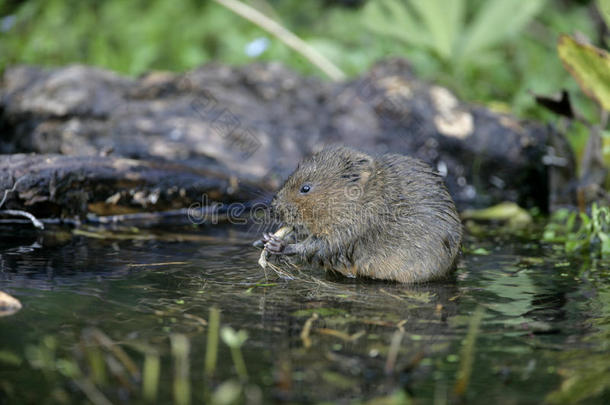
[{"x": 82, "y": 292}]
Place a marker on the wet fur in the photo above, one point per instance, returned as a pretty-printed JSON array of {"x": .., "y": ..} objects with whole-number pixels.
[{"x": 386, "y": 217}]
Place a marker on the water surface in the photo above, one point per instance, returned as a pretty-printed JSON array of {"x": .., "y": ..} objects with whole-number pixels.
[{"x": 544, "y": 333}]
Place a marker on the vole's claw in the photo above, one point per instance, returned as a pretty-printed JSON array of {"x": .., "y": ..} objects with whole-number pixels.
[
  {"x": 260, "y": 244},
  {"x": 274, "y": 245}
]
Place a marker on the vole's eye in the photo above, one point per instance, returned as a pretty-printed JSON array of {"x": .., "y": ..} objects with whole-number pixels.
[{"x": 305, "y": 188}]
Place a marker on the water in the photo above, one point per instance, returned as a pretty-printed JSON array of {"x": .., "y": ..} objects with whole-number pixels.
[{"x": 544, "y": 334}]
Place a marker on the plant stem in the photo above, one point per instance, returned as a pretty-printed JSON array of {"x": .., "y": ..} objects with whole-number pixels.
[
  {"x": 467, "y": 353},
  {"x": 287, "y": 37},
  {"x": 150, "y": 376},
  {"x": 180, "y": 353},
  {"x": 240, "y": 364},
  {"x": 211, "y": 350}
]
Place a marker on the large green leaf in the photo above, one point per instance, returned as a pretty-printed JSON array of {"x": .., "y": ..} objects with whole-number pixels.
[
  {"x": 443, "y": 20},
  {"x": 590, "y": 66},
  {"x": 432, "y": 24},
  {"x": 497, "y": 21}
]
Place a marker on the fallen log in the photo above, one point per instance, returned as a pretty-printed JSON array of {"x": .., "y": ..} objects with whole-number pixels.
[
  {"x": 257, "y": 121},
  {"x": 57, "y": 186}
]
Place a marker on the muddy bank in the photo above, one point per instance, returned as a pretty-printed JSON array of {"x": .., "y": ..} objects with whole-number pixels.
[{"x": 219, "y": 126}]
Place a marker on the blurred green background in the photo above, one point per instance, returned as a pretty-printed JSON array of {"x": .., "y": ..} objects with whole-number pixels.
[{"x": 492, "y": 52}]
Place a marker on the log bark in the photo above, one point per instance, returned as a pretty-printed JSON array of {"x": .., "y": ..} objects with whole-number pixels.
[
  {"x": 51, "y": 186},
  {"x": 251, "y": 123}
]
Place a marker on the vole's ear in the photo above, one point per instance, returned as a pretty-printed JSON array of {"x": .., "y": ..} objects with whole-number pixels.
[{"x": 359, "y": 169}]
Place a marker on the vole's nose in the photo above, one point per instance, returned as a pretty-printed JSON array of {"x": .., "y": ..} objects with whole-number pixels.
[{"x": 280, "y": 210}]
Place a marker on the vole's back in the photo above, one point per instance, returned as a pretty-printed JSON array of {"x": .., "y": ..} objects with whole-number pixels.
[{"x": 418, "y": 230}]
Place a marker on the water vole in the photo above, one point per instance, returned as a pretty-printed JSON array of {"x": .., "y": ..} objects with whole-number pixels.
[{"x": 385, "y": 217}]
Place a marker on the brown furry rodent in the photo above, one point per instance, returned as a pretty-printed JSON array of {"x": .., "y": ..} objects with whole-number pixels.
[{"x": 386, "y": 217}]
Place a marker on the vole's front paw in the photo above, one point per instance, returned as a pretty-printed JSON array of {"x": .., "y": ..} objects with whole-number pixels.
[{"x": 273, "y": 244}]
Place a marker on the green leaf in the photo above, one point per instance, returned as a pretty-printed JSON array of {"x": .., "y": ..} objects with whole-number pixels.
[
  {"x": 605, "y": 239},
  {"x": 590, "y": 66},
  {"x": 573, "y": 246},
  {"x": 232, "y": 338},
  {"x": 570, "y": 222},
  {"x": 10, "y": 358},
  {"x": 604, "y": 10},
  {"x": 585, "y": 376},
  {"x": 497, "y": 21},
  {"x": 584, "y": 218},
  {"x": 516, "y": 216},
  {"x": 443, "y": 20},
  {"x": 392, "y": 18},
  {"x": 481, "y": 251},
  {"x": 227, "y": 393}
]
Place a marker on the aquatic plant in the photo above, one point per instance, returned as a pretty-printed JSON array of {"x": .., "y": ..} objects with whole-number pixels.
[
  {"x": 589, "y": 66},
  {"x": 579, "y": 232}
]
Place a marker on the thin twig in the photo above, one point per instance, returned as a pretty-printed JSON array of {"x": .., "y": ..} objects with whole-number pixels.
[
  {"x": 287, "y": 37},
  {"x": 11, "y": 190},
  {"x": 19, "y": 213},
  {"x": 48, "y": 221},
  {"x": 341, "y": 335},
  {"x": 145, "y": 217},
  {"x": 29, "y": 216}
]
